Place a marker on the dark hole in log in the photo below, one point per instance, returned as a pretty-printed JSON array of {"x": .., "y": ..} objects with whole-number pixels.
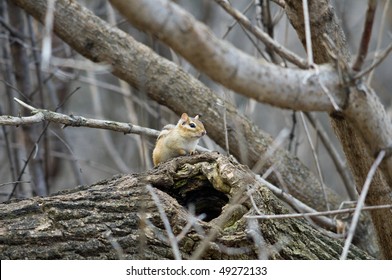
[{"x": 199, "y": 193}]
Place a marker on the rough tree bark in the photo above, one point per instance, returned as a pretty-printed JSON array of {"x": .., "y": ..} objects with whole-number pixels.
[{"x": 117, "y": 218}]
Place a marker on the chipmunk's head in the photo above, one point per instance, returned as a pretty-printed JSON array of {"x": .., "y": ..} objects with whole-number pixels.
[{"x": 191, "y": 127}]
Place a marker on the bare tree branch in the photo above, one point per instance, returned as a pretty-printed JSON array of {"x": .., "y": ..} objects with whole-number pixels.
[
  {"x": 360, "y": 204},
  {"x": 339, "y": 164},
  {"x": 229, "y": 66},
  {"x": 281, "y": 3},
  {"x": 309, "y": 49},
  {"x": 377, "y": 60},
  {"x": 320, "y": 220},
  {"x": 384, "y": 17},
  {"x": 319, "y": 213},
  {"x": 262, "y": 36},
  {"x": 316, "y": 160},
  {"x": 366, "y": 34},
  {"x": 41, "y": 115},
  {"x": 172, "y": 239}
]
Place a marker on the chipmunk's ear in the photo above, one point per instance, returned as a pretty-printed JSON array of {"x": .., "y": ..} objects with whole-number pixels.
[
  {"x": 197, "y": 117},
  {"x": 184, "y": 117}
]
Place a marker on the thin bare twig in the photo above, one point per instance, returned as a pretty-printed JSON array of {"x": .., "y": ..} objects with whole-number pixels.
[
  {"x": 281, "y": 3},
  {"x": 14, "y": 182},
  {"x": 8, "y": 150},
  {"x": 292, "y": 147},
  {"x": 31, "y": 155},
  {"x": 262, "y": 36},
  {"x": 129, "y": 101},
  {"x": 279, "y": 140},
  {"x": 325, "y": 222},
  {"x": 33, "y": 150},
  {"x": 100, "y": 166},
  {"x": 326, "y": 90},
  {"x": 379, "y": 40},
  {"x": 107, "y": 140},
  {"x": 379, "y": 57},
  {"x": 360, "y": 204},
  {"x": 235, "y": 22},
  {"x": 366, "y": 34},
  {"x": 254, "y": 43},
  {"x": 336, "y": 54},
  {"x": 225, "y": 124},
  {"x": 258, "y": 239},
  {"x": 13, "y": 32},
  {"x": 314, "y": 214},
  {"x": 116, "y": 246},
  {"x": 75, "y": 121},
  {"x": 223, "y": 218},
  {"x": 333, "y": 153},
  {"x": 15, "y": 155},
  {"x": 314, "y": 152},
  {"x": 172, "y": 238},
  {"x": 264, "y": 20},
  {"x": 72, "y": 157},
  {"x": 329, "y": 44},
  {"x": 192, "y": 221},
  {"x": 41, "y": 115},
  {"x": 104, "y": 85},
  {"x": 308, "y": 36}
]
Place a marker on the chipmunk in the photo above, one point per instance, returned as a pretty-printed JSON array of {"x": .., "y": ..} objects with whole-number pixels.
[{"x": 178, "y": 140}]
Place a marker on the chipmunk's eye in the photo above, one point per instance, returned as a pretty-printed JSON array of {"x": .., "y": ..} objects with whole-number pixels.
[{"x": 192, "y": 125}]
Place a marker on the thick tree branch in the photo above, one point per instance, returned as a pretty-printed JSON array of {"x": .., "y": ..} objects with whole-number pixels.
[{"x": 298, "y": 89}]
